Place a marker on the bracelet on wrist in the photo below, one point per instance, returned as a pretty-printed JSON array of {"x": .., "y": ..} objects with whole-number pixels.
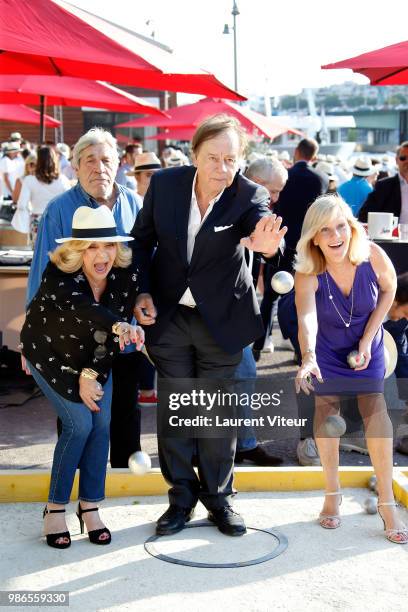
[
  {"x": 89, "y": 373},
  {"x": 307, "y": 352}
]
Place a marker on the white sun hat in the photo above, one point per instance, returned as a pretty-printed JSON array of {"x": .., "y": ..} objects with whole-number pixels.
[
  {"x": 95, "y": 224},
  {"x": 363, "y": 167}
]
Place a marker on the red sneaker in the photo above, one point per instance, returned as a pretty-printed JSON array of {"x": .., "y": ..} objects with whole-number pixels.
[{"x": 147, "y": 400}]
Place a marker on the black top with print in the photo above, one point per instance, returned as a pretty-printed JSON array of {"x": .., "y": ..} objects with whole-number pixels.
[{"x": 66, "y": 329}]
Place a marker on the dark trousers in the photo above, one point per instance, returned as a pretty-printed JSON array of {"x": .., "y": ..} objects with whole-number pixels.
[
  {"x": 187, "y": 350},
  {"x": 270, "y": 298},
  {"x": 127, "y": 371}
]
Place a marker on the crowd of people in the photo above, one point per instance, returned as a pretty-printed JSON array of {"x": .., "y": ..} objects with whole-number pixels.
[{"x": 204, "y": 234}]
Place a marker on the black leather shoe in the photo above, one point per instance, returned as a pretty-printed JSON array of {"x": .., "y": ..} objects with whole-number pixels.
[
  {"x": 259, "y": 456},
  {"x": 227, "y": 520},
  {"x": 173, "y": 520}
]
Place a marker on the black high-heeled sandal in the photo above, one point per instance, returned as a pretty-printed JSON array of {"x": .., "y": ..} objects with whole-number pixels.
[
  {"x": 95, "y": 534},
  {"x": 53, "y": 537}
]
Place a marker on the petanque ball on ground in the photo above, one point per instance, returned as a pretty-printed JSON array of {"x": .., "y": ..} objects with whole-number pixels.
[
  {"x": 370, "y": 504},
  {"x": 282, "y": 282},
  {"x": 139, "y": 463},
  {"x": 334, "y": 426},
  {"x": 372, "y": 483}
]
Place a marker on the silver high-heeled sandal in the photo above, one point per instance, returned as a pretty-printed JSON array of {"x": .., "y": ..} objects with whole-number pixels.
[
  {"x": 334, "y": 519},
  {"x": 393, "y": 535}
]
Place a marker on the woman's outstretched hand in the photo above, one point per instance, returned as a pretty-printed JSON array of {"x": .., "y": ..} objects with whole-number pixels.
[{"x": 303, "y": 380}]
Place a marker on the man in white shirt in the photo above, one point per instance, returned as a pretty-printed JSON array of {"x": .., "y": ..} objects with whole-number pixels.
[
  {"x": 198, "y": 303},
  {"x": 11, "y": 167}
]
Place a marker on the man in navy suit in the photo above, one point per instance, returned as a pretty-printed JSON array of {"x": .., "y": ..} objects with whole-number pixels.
[
  {"x": 197, "y": 299},
  {"x": 390, "y": 194},
  {"x": 303, "y": 186}
]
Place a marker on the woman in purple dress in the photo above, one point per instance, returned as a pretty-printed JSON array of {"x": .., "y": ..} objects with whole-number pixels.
[{"x": 345, "y": 286}]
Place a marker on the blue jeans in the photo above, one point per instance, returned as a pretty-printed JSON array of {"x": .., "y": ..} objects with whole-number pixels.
[
  {"x": 246, "y": 370},
  {"x": 83, "y": 444}
]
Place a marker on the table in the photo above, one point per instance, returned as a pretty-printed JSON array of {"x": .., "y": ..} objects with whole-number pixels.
[{"x": 13, "y": 287}]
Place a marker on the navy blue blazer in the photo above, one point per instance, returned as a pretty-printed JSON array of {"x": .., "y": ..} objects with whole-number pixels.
[
  {"x": 386, "y": 197},
  {"x": 217, "y": 275},
  {"x": 304, "y": 185}
]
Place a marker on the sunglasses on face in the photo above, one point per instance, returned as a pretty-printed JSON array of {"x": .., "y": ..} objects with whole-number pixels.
[{"x": 403, "y": 157}]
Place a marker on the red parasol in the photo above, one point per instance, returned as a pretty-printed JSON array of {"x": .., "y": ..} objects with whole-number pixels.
[
  {"x": 191, "y": 115},
  {"x": 24, "y": 114},
  {"x": 386, "y": 66},
  {"x": 52, "y": 37}
]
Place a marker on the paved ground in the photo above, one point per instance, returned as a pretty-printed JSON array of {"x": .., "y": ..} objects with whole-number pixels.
[{"x": 349, "y": 569}]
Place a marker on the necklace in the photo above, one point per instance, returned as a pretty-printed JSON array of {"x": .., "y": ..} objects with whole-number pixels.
[{"x": 347, "y": 324}]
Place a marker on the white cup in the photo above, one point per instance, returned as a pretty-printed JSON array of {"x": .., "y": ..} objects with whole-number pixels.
[
  {"x": 403, "y": 231},
  {"x": 380, "y": 225}
]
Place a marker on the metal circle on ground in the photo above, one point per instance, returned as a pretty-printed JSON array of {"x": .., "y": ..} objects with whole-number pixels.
[{"x": 278, "y": 550}]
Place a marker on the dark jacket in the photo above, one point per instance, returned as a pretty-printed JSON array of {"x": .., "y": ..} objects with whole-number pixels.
[
  {"x": 218, "y": 276},
  {"x": 58, "y": 334},
  {"x": 303, "y": 186},
  {"x": 386, "y": 197}
]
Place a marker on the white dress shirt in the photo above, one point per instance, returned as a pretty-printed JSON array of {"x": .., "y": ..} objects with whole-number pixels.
[
  {"x": 404, "y": 200},
  {"x": 194, "y": 224}
]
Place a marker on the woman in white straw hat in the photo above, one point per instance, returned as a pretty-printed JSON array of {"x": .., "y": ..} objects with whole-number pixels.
[{"x": 75, "y": 325}]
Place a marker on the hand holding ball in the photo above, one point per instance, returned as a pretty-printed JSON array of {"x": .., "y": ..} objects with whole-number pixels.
[
  {"x": 352, "y": 360},
  {"x": 282, "y": 282},
  {"x": 139, "y": 463}
]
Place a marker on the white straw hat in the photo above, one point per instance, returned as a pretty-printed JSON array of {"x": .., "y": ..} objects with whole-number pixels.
[
  {"x": 363, "y": 167},
  {"x": 145, "y": 161},
  {"x": 95, "y": 224},
  {"x": 327, "y": 169}
]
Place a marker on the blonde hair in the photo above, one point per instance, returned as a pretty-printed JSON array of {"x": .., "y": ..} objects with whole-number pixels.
[
  {"x": 309, "y": 258},
  {"x": 30, "y": 159},
  {"x": 69, "y": 257}
]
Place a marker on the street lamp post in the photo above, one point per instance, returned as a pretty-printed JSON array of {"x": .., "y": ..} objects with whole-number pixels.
[{"x": 234, "y": 13}]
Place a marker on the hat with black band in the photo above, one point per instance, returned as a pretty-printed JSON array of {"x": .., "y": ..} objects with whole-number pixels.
[
  {"x": 145, "y": 162},
  {"x": 95, "y": 225}
]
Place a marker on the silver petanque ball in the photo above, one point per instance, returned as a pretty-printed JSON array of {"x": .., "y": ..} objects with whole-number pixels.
[
  {"x": 334, "y": 426},
  {"x": 372, "y": 483},
  {"x": 282, "y": 282},
  {"x": 139, "y": 463},
  {"x": 370, "y": 504},
  {"x": 351, "y": 360}
]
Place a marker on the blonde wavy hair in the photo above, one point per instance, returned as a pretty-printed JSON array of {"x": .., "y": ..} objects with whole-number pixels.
[
  {"x": 309, "y": 258},
  {"x": 69, "y": 257}
]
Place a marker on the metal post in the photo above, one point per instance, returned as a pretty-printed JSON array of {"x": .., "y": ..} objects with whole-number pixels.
[
  {"x": 235, "y": 12},
  {"x": 42, "y": 122}
]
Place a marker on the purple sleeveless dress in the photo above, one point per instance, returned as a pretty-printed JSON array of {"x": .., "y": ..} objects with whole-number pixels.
[{"x": 335, "y": 341}]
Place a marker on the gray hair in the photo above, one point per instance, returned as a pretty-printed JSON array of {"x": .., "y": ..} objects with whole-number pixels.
[
  {"x": 265, "y": 167},
  {"x": 93, "y": 136}
]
